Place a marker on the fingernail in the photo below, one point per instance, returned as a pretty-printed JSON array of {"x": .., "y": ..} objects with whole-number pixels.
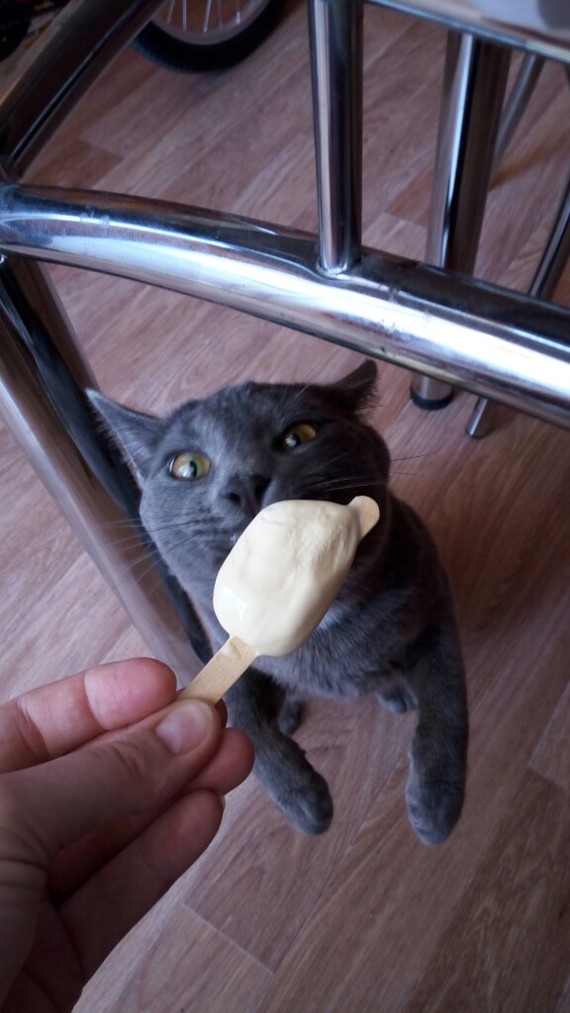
[{"x": 185, "y": 727}]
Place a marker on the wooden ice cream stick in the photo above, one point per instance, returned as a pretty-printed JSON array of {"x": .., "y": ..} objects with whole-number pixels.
[
  {"x": 219, "y": 675},
  {"x": 278, "y": 582}
]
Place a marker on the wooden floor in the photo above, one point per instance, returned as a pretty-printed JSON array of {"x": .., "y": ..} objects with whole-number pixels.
[{"x": 364, "y": 918}]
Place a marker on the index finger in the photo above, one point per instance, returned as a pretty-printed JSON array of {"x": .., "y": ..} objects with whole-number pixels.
[{"x": 52, "y": 720}]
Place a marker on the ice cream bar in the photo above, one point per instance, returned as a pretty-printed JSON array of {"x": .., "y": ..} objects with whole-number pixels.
[{"x": 279, "y": 580}]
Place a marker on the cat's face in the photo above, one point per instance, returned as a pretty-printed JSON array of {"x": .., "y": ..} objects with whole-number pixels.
[{"x": 206, "y": 470}]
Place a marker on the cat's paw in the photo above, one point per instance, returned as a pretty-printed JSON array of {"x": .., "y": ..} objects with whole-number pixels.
[
  {"x": 304, "y": 799},
  {"x": 311, "y": 809},
  {"x": 291, "y": 715},
  {"x": 434, "y": 806}
]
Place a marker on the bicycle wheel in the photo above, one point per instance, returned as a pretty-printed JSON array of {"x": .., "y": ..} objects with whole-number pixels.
[
  {"x": 198, "y": 35},
  {"x": 15, "y": 20}
]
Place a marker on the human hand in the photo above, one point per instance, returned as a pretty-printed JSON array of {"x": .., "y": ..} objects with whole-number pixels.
[{"x": 108, "y": 793}]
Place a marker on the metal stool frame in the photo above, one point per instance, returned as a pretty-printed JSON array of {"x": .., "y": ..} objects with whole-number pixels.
[{"x": 497, "y": 343}]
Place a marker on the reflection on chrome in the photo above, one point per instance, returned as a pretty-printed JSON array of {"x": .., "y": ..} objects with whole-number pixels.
[
  {"x": 540, "y": 26},
  {"x": 489, "y": 340}
]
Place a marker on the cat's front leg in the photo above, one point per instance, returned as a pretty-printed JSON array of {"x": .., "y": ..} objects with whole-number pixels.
[
  {"x": 438, "y": 757},
  {"x": 255, "y": 703},
  {"x": 291, "y": 715}
]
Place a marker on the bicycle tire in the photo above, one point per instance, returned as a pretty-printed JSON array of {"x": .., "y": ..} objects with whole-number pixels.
[
  {"x": 15, "y": 20},
  {"x": 212, "y": 54}
]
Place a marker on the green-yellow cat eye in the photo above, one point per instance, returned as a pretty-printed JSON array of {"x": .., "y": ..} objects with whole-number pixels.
[
  {"x": 189, "y": 466},
  {"x": 296, "y": 435}
]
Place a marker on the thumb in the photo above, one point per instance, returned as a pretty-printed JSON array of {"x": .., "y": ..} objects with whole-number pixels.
[{"x": 47, "y": 807}]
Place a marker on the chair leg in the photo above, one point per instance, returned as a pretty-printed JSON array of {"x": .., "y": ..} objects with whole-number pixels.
[
  {"x": 42, "y": 379},
  {"x": 546, "y": 278},
  {"x": 473, "y": 90},
  {"x": 481, "y": 422},
  {"x": 523, "y": 87},
  {"x": 335, "y": 31}
]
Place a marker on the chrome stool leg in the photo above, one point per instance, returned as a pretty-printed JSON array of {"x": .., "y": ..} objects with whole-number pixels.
[
  {"x": 481, "y": 422},
  {"x": 335, "y": 28},
  {"x": 42, "y": 379},
  {"x": 551, "y": 266},
  {"x": 473, "y": 90},
  {"x": 523, "y": 87}
]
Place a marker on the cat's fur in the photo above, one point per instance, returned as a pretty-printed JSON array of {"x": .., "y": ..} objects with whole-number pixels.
[{"x": 391, "y": 631}]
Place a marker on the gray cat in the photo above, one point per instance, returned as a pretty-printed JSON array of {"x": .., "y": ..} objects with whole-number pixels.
[{"x": 205, "y": 471}]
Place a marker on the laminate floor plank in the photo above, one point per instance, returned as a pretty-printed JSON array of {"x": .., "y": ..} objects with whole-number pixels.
[
  {"x": 488, "y": 957},
  {"x": 177, "y": 977},
  {"x": 551, "y": 757}
]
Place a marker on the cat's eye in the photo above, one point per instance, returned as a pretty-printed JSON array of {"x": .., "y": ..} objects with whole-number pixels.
[
  {"x": 296, "y": 435},
  {"x": 189, "y": 466}
]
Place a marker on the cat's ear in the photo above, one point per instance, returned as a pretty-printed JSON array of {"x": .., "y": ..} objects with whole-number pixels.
[
  {"x": 356, "y": 390},
  {"x": 136, "y": 434}
]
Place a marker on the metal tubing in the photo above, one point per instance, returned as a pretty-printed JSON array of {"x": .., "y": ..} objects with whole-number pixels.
[
  {"x": 552, "y": 263},
  {"x": 336, "y": 64},
  {"x": 76, "y": 48},
  {"x": 556, "y": 252},
  {"x": 474, "y": 86},
  {"x": 473, "y": 90},
  {"x": 430, "y": 394},
  {"x": 538, "y": 27},
  {"x": 492, "y": 341},
  {"x": 523, "y": 87},
  {"x": 481, "y": 422},
  {"x": 42, "y": 379}
]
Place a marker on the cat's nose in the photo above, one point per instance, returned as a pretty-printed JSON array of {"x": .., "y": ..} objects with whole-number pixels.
[{"x": 247, "y": 491}]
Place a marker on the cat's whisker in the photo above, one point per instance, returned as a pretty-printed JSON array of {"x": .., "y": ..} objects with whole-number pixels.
[
  {"x": 415, "y": 474},
  {"x": 415, "y": 457},
  {"x": 132, "y": 539},
  {"x": 342, "y": 485},
  {"x": 117, "y": 584},
  {"x": 143, "y": 557},
  {"x": 135, "y": 537},
  {"x": 198, "y": 529},
  {"x": 127, "y": 522},
  {"x": 143, "y": 572},
  {"x": 111, "y": 526}
]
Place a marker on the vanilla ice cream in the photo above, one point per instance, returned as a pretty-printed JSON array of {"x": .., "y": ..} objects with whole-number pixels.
[{"x": 287, "y": 568}]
